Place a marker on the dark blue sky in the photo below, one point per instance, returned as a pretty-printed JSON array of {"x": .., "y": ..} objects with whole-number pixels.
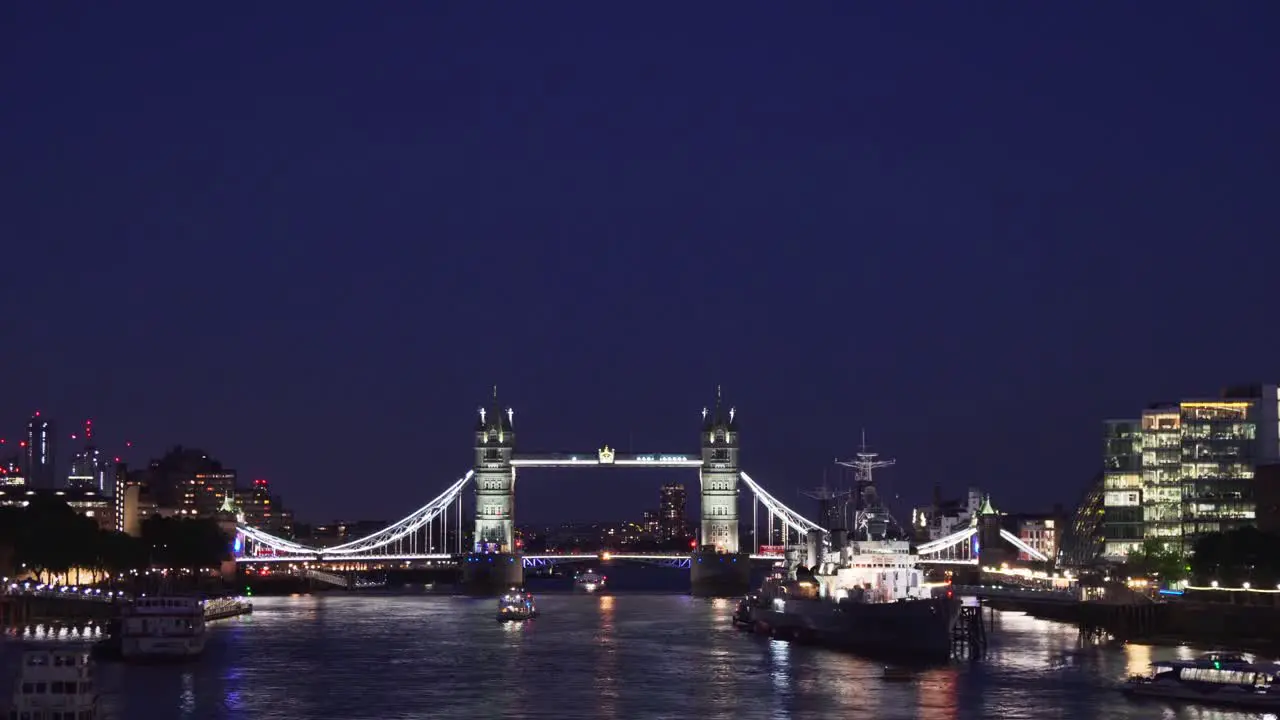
[{"x": 310, "y": 240}]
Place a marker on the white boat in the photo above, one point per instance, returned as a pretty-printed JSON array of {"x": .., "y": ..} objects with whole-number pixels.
[
  {"x": 589, "y": 581},
  {"x": 163, "y": 627},
  {"x": 1215, "y": 679},
  {"x": 516, "y": 605},
  {"x": 55, "y": 684}
]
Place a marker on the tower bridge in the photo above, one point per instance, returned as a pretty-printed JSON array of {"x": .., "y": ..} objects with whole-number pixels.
[{"x": 494, "y": 562}]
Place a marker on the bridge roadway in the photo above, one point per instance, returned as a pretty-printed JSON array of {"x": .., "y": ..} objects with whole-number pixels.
[{"x": 529, "y": 561}]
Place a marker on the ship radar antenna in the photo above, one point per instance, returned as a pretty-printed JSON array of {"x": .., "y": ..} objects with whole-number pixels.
[
  {"x": 865, "y": 462},
  {"x": 870, "y": 517}
]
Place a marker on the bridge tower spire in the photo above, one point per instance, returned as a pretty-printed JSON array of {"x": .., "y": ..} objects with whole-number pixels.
[
  {"x": 495, "y": 441},
  {"x": 494, "y": 565},
  {"x": 719, "y": 478},
  {"x": 717, "y": 567}
]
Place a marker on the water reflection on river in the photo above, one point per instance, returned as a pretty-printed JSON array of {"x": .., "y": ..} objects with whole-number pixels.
[{"x": 611, "y": 657}]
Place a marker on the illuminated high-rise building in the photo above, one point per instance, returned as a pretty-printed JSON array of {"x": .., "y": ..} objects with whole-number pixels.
[
  {"x": 671, "y": 520},
  {"x": 89, "y": 469},
  {"x": 1187, "y": 469},
  {"x": 263, "y": 510},
  {"x": 40, "y": 453}
]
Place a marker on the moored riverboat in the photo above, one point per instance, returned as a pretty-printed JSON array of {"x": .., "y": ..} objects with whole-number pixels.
[
  {"x": 55, "y": 684},
  {"x": 163, "y": 627}
]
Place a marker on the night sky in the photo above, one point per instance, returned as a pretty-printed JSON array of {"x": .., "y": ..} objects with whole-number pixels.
[{"x": 309, "y": 238}]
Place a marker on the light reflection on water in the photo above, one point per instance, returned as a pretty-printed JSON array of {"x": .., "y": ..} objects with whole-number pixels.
[{"x": 615, "y": 657}]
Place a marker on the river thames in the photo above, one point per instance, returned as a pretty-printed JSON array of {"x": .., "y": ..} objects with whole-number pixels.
[{"x": 614, "y": 657}]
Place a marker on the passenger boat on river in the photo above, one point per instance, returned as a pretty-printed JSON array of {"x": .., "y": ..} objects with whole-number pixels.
[
  {"x": 55, "y": 685},
  {"x": 1216, "y": 678}
]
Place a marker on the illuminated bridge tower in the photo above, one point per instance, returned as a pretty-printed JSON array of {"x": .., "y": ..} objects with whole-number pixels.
[
  {"x": 717, "y": 568},
  {"x": 494, "y": 565}
]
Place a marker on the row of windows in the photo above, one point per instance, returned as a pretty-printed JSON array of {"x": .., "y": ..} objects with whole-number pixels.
[{"x": 58, "y": 687}]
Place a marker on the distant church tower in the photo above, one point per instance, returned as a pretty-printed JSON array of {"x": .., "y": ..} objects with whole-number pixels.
[
  {"x": 495, "y": 480},
  {"x": 719, "y": 478}
]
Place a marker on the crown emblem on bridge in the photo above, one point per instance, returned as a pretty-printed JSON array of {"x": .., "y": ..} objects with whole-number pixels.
[{"x": 606, "y": 455}]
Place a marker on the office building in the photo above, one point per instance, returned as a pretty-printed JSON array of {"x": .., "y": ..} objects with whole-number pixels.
[
  {"x": 91, "y": 471},
  {"x": 130, "y": 486},
  {"x": 671, "y": 519},
  {"x": 1042, "y": 533},
  {"x": 136, "y": 506},
  {"x": 1187, "y": 469},
  {"x": 1122, "y": 487},
  {"x": 262, "y": 510},
  {"x": 172, "y": 482},
  {"x": 89, "y": 468},
  {"x": 205, "y": 493},
  {"x": 38, "y": 463}
]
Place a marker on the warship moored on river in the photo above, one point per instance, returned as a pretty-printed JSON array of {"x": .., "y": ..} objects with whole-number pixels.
[{"x": 866, "y": 595}]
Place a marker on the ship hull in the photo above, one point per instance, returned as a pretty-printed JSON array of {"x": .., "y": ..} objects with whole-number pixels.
[{"x": 918, "y": 630}]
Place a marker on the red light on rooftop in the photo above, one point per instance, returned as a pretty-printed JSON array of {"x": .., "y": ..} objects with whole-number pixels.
[
  {"x": 128, "y": 444},
  {"x": 22, "y": 444}
]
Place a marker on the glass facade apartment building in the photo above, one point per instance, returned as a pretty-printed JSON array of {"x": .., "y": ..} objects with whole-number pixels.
[{"x": 1186, "y": 469}]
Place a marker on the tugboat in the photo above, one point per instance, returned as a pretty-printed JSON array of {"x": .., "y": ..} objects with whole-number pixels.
[
  {"x": 589, "y": 581},
  {"x": 866, "y": 595},
  {"x": 516, "y": 605},
  {"x": 55, "y": 684}
]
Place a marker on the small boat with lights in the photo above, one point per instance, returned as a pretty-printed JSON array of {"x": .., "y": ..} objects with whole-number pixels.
[
  {"x": 516, "y": 605},
  {"x": 589, "y": 581},
  {"x": 1214, "y": 679}
]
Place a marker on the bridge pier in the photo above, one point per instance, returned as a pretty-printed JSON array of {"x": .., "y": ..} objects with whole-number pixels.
[
  {"x": 485, "y": 574},
  {"x": 713, "y": 574}
]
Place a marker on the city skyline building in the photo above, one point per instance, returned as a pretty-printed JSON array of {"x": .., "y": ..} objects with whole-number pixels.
[
  {"x": 672, "y": 523},
  {"x": 89, "y": 468},
  {"x": 40, "y": 461},
  {"x": 206, "y": 492},
  {"x": 263, "y": 510},
  {"x": 1186, "y": 469}
]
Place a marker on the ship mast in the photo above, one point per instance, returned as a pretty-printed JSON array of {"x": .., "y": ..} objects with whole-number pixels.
[
  {"x": 868, "y": 513},
  {"x": 832, "y": 509}
]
